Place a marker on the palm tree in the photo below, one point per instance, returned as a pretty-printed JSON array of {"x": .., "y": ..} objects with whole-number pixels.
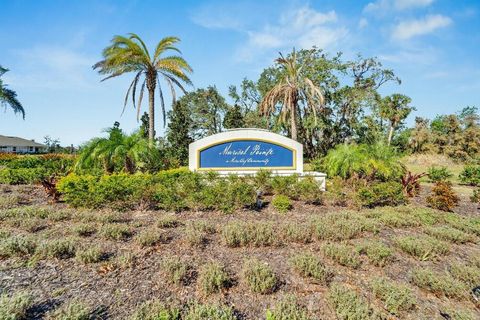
[
  {"x": 8, "y": 98},
  {"x": 395, "y": 109},
  {"x": 117, "y": 152},
  {"x": 130, "y": 54},
  {"x": 292, "y": 89}
]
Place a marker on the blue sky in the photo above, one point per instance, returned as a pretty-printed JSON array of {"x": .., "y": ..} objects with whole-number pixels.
[{"x": 50, "y": 46}]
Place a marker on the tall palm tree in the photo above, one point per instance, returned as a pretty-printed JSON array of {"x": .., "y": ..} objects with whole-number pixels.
[
  {"x": 8, "y": 98},
  {"x": 292, "y": 89},
  {"x": 130, "y": 54}
]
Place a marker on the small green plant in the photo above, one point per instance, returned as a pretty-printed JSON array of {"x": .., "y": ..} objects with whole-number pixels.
[
  {"x": 116, "y": 232},
  {"x": 422, "y": 247},
  {"x": 439, "y": 283},
  {"x": 298, "y": 232},
  {"x": 196, "y": 311},
  {"x": 126, "y": 260},
  {"x": 85, "y": 229},
  {"x": 470, "y": 175},
  {"x": 238, "y": 234},
  {"x": 287, "y": 308},
  {"x": 348, "y": 304},
  {"x": 457, "y": 313},
  {"x": 17, "y": 246},
  {"x": 467, "y": 273},
  {"x": 58, "y": 249},
  {"x": 396, "y": 297},
  {"x": 194, "y": 235},
  {"x": 382, "y": 194},
  {"x": 168, "y": 222},
  {"x": 310, "y": 266},
  {"x": 57, "y": 216},
  {"x": 341, "y": 226},
  {"x": 212, "y": 278},
  {"x": 377, "y": 252},
  {"x": 342, "y": 254},
  {"x": 149, "y": 238},
  {"x": 443, "y": 197},
  {"x": 90, "y": 255},
  {"x": 308, "y": 190},
  {"x": 449, "y": 234},
  {"x": 281, "y": 203},
  {"x": 15, "y": 307},
  {"x": 155, "y": 310},
  {"x": 259, "y": 277},
  {"x": 175, "y": 270},
  {"x": 436, "y": 174},
  {"x": 72, "y": 311}
]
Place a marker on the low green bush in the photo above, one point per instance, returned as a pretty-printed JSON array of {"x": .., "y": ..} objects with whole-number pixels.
[
  {"x": 298, "y": 232},
  {"x": 149, "y": 238},
  {"x": 198, "y": 311},
  {"x": 377, "y": 252},
  {"x": 15, "y": 307},
  {"x": 175, "y": 270},
  {"x": 281, "y": 203},
  {"x": 239, "y": 234},
  {"x": 22, "y": 175},
  {"x": 212, "y": 278},
  {"x": 287, "y": 308},
  {"x": 155, "y": 310},
  {"x": 436, "y": 174},
  {"x": 84, "y": 229},
  {"x": 470, "y": 175},
  {"x": 116, "y": 232},
  {"x": 308, "y": 190},
  {"x": 310, "y": 266},
  {"x": 422, "y": 247},
  {"x": 347, "y": 304},
  {"x": 90, "y": 255},
  {"x": 343, "y": 254},
  {"x": 259, "y": 276},
  {"x": 396, "y": 297},
  {"x": 449, "y": 234},
  {"x": 17, "y": 246},
  {"x": 72, "y": 311},
  {"x": 439, "y": 283},
  {"x": 382, "y": 194},
  {"x": 59, "y": 249},
  {"x": 467, "y": 273},
  {"x": 342, "y": 226},
  {"x": 285, "y": 185}
]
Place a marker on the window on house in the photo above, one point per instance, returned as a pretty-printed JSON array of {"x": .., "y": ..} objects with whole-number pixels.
[{"x": 14, "y": 149}]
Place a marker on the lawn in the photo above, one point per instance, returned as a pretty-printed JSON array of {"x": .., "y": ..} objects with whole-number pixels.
[{"x": 323, "y": 262}]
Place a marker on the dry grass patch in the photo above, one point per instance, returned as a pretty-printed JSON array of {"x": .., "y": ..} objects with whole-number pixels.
[
  {"x": 150, "y": 237},
  {"x": 439, "y": 283},
  {"x": 58, "y": 249},
  {"x": 342, "y": 226},
  {"x": 298, "y": 232},
  {"x": 90, "y": 255},
  {"x": 155, "y": 310},
  {"x": 343, "y": 254},
  {"x": 15, "y": 306},
  {"x": 395, "y": 296},
  {"x": 17, "y": 246},
  {"x": 197, "y": 311},
  {"x": 348, "y": 304},
  {"x": 259, "y": 276},
  {"x": 377, "y": 252},
  {"x": 113, "y": 231},
  {"x": 422, "y": 247},
  {"x": 84, "y": 229},
  {"x": 73, "y": 310},
  {"x": 287, "y": 308},
  {"x": 468, "y": 274},
  {"x": 175, "y": 270},
  {"x": 310, "y": 266},
  {"x": 239, "y": 234},
  {"x": 168, "y": 222},
  {"x": 449, "y": 234}
]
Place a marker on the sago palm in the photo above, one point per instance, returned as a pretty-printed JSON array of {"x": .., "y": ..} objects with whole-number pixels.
[
  {"x": 292, "y": 89},
  {"x": 8, "y": 98},
  {"x": 130, "y": 55}
]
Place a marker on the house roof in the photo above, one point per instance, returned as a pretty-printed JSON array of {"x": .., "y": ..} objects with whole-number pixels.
[{"x": 18, "y": 142}]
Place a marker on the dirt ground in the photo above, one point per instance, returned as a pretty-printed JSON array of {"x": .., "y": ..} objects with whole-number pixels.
[{"x": 114, "y": 292}]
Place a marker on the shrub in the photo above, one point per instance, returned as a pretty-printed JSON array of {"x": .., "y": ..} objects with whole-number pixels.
[
  {"x": 468, "y": 274},
  {"x": 308, "y": 190},
  {"x": 341, "y": 226},
  {"x": 126, "y": 260},
  {"x": 259, "y": 277},
  {"x": 15, "y": 307},
  {"x": 298, "y": 232},
  {"x": 116, "y": 232},
  {"x": 168, "y": 222},
  {"x": 198, "y": 311},
  {"x": 90, "y": 255},
  {"x": 84, "y": 229},
  {"x": 17, "y": 246},
  {"x": 287, "y": 308},
  {"x": 262, "y": 181},
  {"x": 342, "y": 254},
  {"x": 443, "y": 197},
  {"x": 212, "y": 278},
  {"x": 281, "y": 203},
  {"x": 470, "y": 175},
  {"x": 176, "y": 271},
  {"x": 436, "y": 174},
  {"x": 155, "y": 310},
  {"x": 149, "y": 238},
  {"x": 422, "y": 247},
  {"x": 456, "y": 313},
  {"x": 377, "y": 252},
  {"x": 440, "y": 284},
  {"x": 285, "y": 185},
  {"x": 195, "y": 235},
  {"x": 475, "y": 198},
  {"x": 449, "y": 234},
  {"x": 309, "y": 266},
  {"x": 238, "y": 234},
  {"x": 72, "y": 311},
  {"x": 411, "y": 183},
  {"x": 396, "y": 297},
  {"x": 59, "y": 249},
  {"x": 22, "y": 175},
  {"x": 382, "y": 194},
  {"x": 348, "y": 304}
]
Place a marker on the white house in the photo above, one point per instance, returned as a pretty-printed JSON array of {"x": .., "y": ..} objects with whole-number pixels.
[{"x": 20, "y": 145}]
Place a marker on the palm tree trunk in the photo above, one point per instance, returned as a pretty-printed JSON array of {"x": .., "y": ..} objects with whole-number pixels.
[
  {"x": 151, "y": 114},
  {"x": 293, "y": 119},
  {"x": 390, "y": 135}
]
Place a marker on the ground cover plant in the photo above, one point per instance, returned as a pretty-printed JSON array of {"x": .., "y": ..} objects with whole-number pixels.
[{"x": 369, "y": 263}]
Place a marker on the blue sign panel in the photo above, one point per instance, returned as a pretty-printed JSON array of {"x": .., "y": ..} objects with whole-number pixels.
[{"x": 246, "y": 154}]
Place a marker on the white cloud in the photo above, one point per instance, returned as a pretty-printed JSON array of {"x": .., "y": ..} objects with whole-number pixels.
[
  {"x": 387, "y": 5},
  {"x": 409, "y": 29},
  {"x": 302, "y": 28},
  {"x": 362, "y": 23}
]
